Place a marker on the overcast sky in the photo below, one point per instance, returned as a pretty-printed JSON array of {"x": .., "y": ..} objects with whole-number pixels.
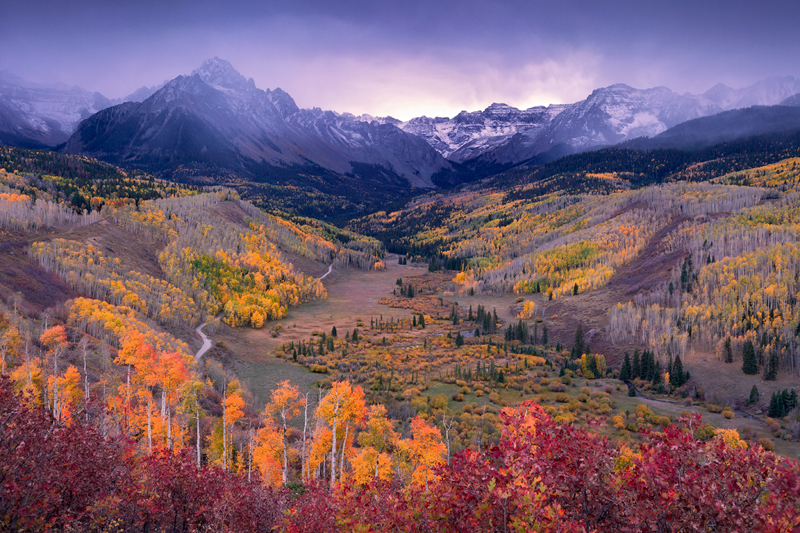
[{"x": 409, "y": 57}]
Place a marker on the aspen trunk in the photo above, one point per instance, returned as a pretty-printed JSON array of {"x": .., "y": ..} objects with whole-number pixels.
[
  {"x": 149, "y": 423},
  {"x": 303, "y": 466},
  {"x": 197, "y": 418},
  {"x": 224, "y": 435},
  {"x": 344, "y": 445}
]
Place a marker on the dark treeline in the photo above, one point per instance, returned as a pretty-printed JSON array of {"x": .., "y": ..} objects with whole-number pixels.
[{"x": 646, "y": 167}]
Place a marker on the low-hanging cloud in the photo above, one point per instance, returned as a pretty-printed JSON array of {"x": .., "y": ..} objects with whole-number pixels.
[{"x": 433, "y": 57}]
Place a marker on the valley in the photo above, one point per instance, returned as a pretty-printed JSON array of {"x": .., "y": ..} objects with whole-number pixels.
[{"x": 304, "y": 327}]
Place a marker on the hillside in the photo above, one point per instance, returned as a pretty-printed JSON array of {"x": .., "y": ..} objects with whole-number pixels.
[{"x": 605, "y": 313}]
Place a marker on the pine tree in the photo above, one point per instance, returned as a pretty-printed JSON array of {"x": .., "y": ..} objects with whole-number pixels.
[
  {"x": 544, "y": 335},
  {"x": 749, "y": 365},
  {"x": 771, "y": 368},
  {"x": 657, "y": 373},
  {"x": 754, "y": 395},
  {"x": 647, "y": 366},
  {"x": 728, "y": 351},
  {"x": 333, "y": 331},
  {"x": 625, "y": 371},
  {"x": 676, "y": 377},
  {"x": 775, "y": 406},
  {"x": 421, "y": 322},
  {"x": 636, "y": 368},
  {"x": 579, "y": 346}
]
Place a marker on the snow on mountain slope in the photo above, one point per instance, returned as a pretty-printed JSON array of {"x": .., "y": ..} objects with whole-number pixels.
[
  {"x": 44, "y": 114},
  {"x": 40, "y": 115},
  {"x": 470, "y": 134},
  {"x": 506, "y": 135}
]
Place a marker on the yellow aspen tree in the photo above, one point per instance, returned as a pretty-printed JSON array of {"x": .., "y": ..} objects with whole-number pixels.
[
  {"x": 232, "y": 410},
  {"x": 55, "y": 340},
  {"x": 343, "y": 407},
  {"x": 284, "y": 405},
  {"x": 190, "y": 393},
  {"x": 424, "y": 451},
  {"x": 266, "y": 455},
  {"x": 378, "y": 438},
  {"x": 10, "y": 343}
]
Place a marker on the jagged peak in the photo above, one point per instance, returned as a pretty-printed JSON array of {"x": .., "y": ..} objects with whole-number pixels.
[
  {"x": 283, "y": 102},
  {"x": 219, "y": 72}
]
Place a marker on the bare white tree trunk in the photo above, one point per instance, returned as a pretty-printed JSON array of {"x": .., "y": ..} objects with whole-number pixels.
[
  {"x": 303, "y": 465},
  {"x": 149, "y": 422},
  {"x": 344, "y": 445},
  {"x": 224, "y": 432},
  {"x": 447, "y": 426},
  {"x": 197, "y": 419},
  {"x": 333, "y": 443},
  {"x": 285, "y": 449}
]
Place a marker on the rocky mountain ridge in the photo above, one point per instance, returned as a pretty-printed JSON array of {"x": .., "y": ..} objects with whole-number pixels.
[{"x": 216, "y": 116}]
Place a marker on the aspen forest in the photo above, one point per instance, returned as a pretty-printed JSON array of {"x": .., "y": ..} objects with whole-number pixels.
[{"x": 551, "y": 353}]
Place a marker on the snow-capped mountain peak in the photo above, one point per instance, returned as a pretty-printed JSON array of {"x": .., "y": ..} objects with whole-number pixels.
[{"x": 220, "y": 73}]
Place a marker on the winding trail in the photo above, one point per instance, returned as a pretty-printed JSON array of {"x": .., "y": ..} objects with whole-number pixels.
[
  {"x": 207, "y": 342},
  {"x": 330, "y": 269}
]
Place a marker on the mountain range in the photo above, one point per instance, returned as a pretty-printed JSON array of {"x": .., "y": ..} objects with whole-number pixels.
[
  {"x": 40, "y": 115},
  {"x": 216, "y": 120}
]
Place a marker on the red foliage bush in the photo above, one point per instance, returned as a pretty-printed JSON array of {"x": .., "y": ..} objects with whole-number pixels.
[
  {"x": 542, "y": 476},
  {"x": 56, "y": 476},
  {"x": 545, "y": 476}
]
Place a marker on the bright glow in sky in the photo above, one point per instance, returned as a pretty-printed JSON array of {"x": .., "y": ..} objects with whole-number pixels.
[{"x": 406, "y": 58}]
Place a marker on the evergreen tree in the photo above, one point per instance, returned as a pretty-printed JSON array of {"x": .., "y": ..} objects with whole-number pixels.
[
  {"x": 421, "y": 322},
  {"x": 575, "y": 289},
  {"x": 354, "y": 337},
  {"x": 785, "y": 402},
  {"x": 754, "y": 395},
  {"x": 459, "y": 340},
  {"x": 545, "y": 339},
  {"x": 749, "y": 365},
  {"x": 636, "y": 368},
  {"x": 625, "y": 371},
  {"x": 647, "y": 366},
  {"x": 775, "y": 406},
  {"x": 676, "y": 377},
  {"x": 656, "y": 373},
  {"x": 728, "y": 351},
  {"x": 771, "y": 368},
  {"x": 333, "y": 331},
  {"x": 578, "y": 347}
]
